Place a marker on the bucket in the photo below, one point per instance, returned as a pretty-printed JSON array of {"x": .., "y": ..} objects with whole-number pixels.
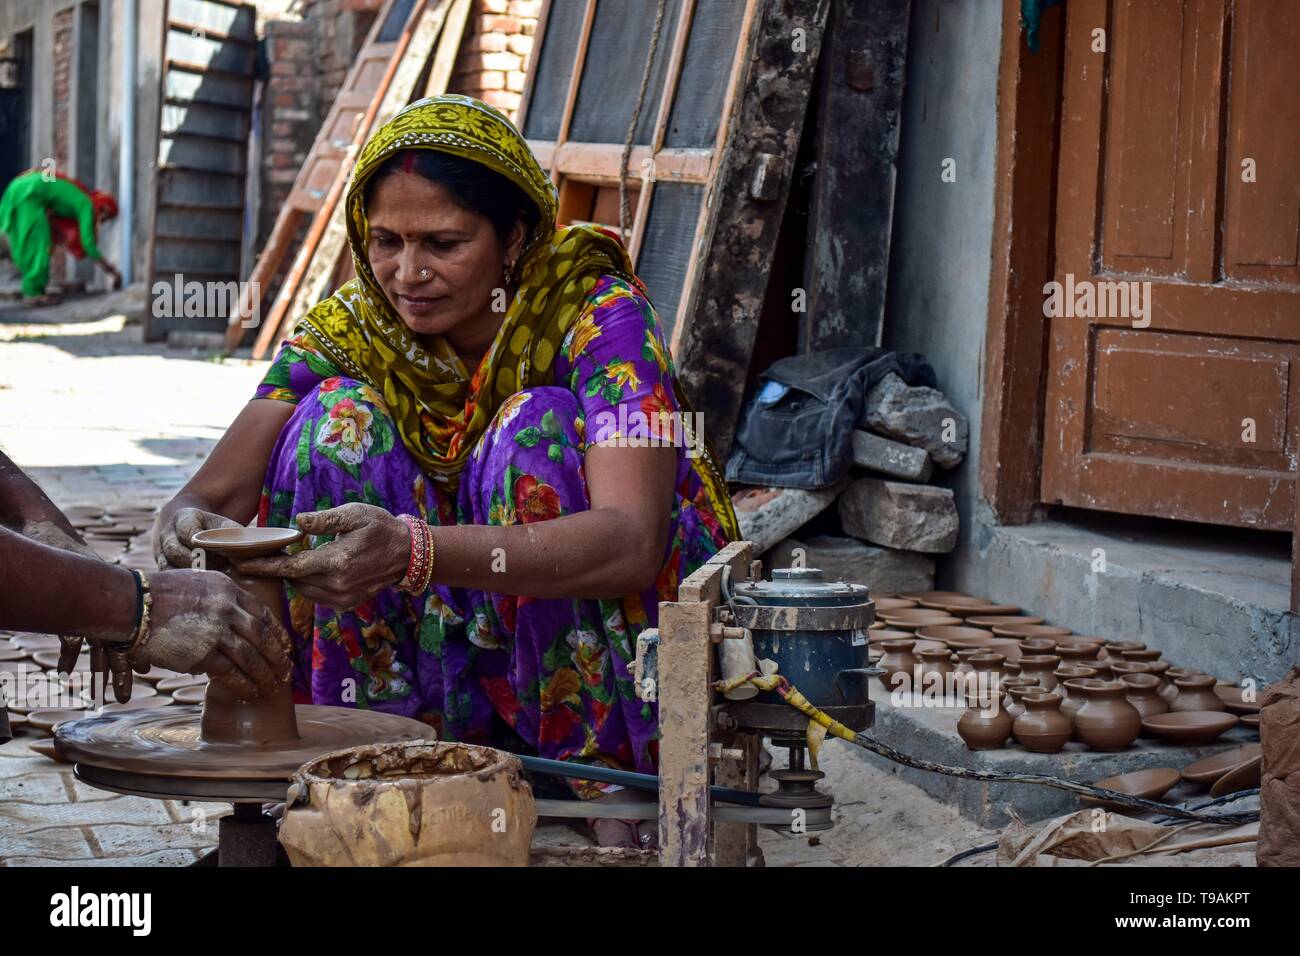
[{"x": 410, "y": 804}]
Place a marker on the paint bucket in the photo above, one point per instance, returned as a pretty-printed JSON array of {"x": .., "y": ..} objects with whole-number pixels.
[{"x": 418, "y": 803}]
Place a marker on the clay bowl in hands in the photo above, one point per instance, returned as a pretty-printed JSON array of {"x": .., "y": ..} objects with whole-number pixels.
[
  {"x": 1190, "y": 727},
  {"x": 1150, "y": 784},
  {"x": 1209, "y": 769},
  {"x": 246, "y": 542},
  {"x": 1022, "y": 631}
]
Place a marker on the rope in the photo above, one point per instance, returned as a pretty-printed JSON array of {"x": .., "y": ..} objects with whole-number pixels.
[
  {"x": 623, "y": 213},
  {"x": 791, "y": 696}
]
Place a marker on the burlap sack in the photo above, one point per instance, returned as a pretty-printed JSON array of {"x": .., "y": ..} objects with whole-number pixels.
[{"x": 1279, "y": 794}]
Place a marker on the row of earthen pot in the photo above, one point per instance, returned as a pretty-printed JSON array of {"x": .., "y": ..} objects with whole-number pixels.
[{"x": 1048, "y": 676}]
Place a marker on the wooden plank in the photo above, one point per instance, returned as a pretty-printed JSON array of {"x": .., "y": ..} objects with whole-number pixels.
[
  {"x": 1011, "y": 441},
  {"x": 851, "y": 209},
  {"x": 684, "y": 693},
  {"x": 715, "y": 340},
  {"x": 444, "y": 59},
  {"x": 575, "y": 78},
  {"x": 315, "y": 263},
  {"x": 328, "y": 150}
]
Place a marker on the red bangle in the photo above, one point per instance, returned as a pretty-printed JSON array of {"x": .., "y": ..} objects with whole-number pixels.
[{"x": 420, "y": 567}]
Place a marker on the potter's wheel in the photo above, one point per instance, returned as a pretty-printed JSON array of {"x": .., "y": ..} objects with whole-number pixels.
[{"x": 158, "y": 753}]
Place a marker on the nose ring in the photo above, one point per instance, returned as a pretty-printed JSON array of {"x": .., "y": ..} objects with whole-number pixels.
[{"x": 424, "y": 273}]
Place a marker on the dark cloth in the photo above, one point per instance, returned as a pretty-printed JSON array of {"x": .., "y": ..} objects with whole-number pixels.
[
  {"x": 6, "y": 734},
  {"x": 797, "y": 430}
]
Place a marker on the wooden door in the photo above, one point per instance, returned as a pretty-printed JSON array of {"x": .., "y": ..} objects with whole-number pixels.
[{"x": 1179, "y": 166}]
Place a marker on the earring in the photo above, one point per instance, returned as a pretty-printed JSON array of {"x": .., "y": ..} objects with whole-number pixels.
[{"x": 510, "y": 273}]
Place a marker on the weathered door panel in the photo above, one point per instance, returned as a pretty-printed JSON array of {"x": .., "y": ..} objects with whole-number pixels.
[{"x": 1177, "y": 169}]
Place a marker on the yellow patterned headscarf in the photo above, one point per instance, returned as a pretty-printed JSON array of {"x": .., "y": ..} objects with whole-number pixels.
[{"x": 440, "y": 408}]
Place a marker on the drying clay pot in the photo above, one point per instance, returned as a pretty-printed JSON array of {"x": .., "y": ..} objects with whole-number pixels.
[
  {"x": 963, "y": 659},
  {"x": 909, "y": 619},
  {"x": 937, "y": 661},
  {"x": 984, "y": 725},
  {"x": 1146, "y": 655},
  {"x": 1151, "y": 784},
  {"x": 410, "y": 804},
  {"x": 1022, "y": 631},
  {"x": 1231, "y": 697},
  {"x": 1078, "y": 652},
  {"x": 1170, "y": 692},
  {"x": 995, "y": 620},
  {"x": 1196, "y": 692},
  {"x": 1209, "y": 769},
  {"x": 1067, "y": 685},
  {"x": 990, "y": 664},
  {"x": 1117, "y": 648},
  {"x": 1103, "y": 668},
  {"x": 1107, "y": 721},
  {"x": 1016, "y": 696},
  {"x": 1144, "y": 694},
  {"x": 1041, "y": 666},
  {"x": 1190, "y": 727},
  {"x": 1038, "y": 645},
  {"x": 896, "y": 658},
  {"x": 1042, "y": 728}
]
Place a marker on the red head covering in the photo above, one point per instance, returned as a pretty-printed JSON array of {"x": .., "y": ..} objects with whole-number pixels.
[{"x": 105, "y": 205}]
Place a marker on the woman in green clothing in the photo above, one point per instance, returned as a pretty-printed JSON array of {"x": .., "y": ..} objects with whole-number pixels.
[{"x": 32, "y": 211}]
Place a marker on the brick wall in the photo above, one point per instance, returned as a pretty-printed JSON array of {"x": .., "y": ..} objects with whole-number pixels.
[
  {"x": 494, "y": 54},
  {"x": 290, "y": 113}
]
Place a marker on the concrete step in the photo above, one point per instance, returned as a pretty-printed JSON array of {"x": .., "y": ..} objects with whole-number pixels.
[{"x": 1212, "y": 599}]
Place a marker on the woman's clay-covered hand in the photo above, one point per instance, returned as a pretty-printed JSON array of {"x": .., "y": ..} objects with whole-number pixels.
[
  {"x": 172, "y": 546},
  {"x": 201, "y": 622},
  {"x": 370, "y": 552}
]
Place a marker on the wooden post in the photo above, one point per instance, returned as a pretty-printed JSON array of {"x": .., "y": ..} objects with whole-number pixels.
[
  {"x": 685, "y": 652},
  {"x": 715, "y": 340},
  {"x": 851, "y": 211}
]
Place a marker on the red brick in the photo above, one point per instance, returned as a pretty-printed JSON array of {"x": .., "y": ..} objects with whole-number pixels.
[
  {"x": 491, "y": 23},
  {"x": 526, "y": 8},
  {"x": 502, "y": 99},
  {"x": 504, "y": 62},
  {"x": 523, "y": 45},
  {"x": 515, "y": 80}
]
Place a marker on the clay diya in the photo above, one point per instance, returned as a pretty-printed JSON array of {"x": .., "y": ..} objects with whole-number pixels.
[
  {"x": 1038, "y": 645},
  {"x": 191, "y": 694},
  {"x": 1042, "y": 728},
  {"x": 1022, "y": 631},
  {"x": 1146, "y": 654},
  {"x": 920, "y": 596},
  {"x": 1144, "y": 694},
  {"x": 268, "y": 719},
  {"x": 964, "y": 655},
  {"x": 884, "y": 604},
  {"x": 1119, "y": 647},
  {"x": 896, "y": 658},
  {"x": 984, "y": 725},
  {"x": 997, "y": 620},
  {"x": 1209, "y": 769},
  {"x": 1196, "y": 693},
  {"x": 1231, "y": 697},
  {"x": 1190, "y": 727},
  {"x": 1106, "y": 721},
  {"x": 46, "y": 719},
  {"x": 1150, "y": 784},
  {"x": 1244, "y": 776},
  {"x": 1041, "y": 666},
  {"x": 909, "y": 619}
]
